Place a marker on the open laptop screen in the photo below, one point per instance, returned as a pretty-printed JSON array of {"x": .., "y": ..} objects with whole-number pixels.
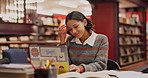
[{"x": 40, "y": 54}]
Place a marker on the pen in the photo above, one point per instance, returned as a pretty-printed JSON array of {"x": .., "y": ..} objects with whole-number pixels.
[
  {"x": 41, "y": 65},
  {"x": 49, "y": 63},
  {"x": 30, "y": 62}
]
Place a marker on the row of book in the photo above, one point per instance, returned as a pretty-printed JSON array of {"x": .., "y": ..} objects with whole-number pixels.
[
  {"x": 16, "y": 38},
  {"x": 52, "y": 21},
  {"x": 129, "y": 40},
  {"x": 132, "y": 19},
  {"x": 129, "y": 30},
  {"x": 4, "y": 47},
  {"x": 48, "y": 30},
  {"x": 130, "y": 59},
  {"x": 19, "y": 45},
  {"x": 46, "y": 38},
  {"x": 130, "y": 50}
]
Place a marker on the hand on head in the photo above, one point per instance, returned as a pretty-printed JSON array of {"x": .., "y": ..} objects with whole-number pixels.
[
  {"x": 62, "y": 33},
  {"x": 63, "y": 29}
]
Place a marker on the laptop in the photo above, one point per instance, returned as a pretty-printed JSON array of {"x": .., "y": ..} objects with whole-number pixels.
[{"x": 39, "y": 55}]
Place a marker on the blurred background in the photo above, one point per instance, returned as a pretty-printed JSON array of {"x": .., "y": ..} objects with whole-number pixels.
[{"x": 35, "y": 22}]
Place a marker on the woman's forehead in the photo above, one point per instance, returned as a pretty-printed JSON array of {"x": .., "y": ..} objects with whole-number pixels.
[{"x": 72, "y": 23}]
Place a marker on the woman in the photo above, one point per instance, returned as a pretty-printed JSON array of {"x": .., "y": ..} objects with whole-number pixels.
[{"x": 88, "y": 51}]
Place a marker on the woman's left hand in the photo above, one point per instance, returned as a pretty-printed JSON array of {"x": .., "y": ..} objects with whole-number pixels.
[{"x": 74, "y": 68}]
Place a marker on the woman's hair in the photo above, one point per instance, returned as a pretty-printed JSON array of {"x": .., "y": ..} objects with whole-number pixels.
[{"x": 75, "y": 15}]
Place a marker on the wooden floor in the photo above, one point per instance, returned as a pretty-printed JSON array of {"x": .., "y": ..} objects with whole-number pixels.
[{"x": 136, "y": 67}]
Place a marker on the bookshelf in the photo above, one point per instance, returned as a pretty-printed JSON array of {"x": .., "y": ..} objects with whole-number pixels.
[
  {"x": 19, "y": 35},
  {"x": 127, "y": 36},
  {"x": 47, "y": 32},
  {"x": 132, "y": 36}
]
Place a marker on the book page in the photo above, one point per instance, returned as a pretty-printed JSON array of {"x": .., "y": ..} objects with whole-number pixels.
[
  {"x": 84, "y": 75},
  {"x": 70, "y": 75},
  {"x": 99, "y": 74}
]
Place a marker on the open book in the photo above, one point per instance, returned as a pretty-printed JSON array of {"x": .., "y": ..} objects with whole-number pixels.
[
  {"x": 84, "y": 75},
  {"x": 16, "y": 68}
]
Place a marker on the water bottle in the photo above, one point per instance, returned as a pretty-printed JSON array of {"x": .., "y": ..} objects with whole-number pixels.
[{"x": 53, "y": 71}]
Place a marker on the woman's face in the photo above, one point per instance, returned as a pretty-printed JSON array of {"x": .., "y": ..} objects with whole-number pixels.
[{"x": 76, "y": 28}]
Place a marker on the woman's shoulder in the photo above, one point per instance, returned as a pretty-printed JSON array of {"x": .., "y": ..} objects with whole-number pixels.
[{"x": 101, "y": 36}]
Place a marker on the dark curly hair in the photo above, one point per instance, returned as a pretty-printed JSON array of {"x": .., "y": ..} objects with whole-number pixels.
[{"x": 75, "y": 15}]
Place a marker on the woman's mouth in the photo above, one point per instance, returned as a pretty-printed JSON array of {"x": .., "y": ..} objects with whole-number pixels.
[{"x": 76, "y": 34}]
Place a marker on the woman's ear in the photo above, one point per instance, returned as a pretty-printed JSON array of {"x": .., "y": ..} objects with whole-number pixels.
[{"x": 85, "y": 22}]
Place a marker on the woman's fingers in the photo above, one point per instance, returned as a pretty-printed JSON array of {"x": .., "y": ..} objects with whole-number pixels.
[
  {"x": 63, "y": 29},
  {"x": 74, "y": 68}
]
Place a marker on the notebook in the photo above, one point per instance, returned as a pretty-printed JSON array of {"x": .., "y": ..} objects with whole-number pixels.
[{"x": 59, "y": 54}]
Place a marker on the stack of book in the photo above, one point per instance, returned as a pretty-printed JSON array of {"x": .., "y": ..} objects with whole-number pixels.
[{"x": 16, "y": 71}]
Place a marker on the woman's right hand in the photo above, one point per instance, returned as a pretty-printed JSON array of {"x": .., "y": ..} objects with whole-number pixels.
[{"x": 62, "y": 33}]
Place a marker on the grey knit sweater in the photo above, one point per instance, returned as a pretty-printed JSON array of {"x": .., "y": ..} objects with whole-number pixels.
[{"x": 92, "y": 58}]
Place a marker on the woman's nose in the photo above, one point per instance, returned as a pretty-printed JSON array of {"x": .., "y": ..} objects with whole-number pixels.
[{"x": 73, "y": 31}]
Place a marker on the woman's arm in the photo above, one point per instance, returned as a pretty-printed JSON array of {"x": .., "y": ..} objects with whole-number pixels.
[{"x": 100, "y": 61}]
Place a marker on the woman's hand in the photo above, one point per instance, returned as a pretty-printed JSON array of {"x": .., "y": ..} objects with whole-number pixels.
[
  {"x": 74, "y": 68},
  {"x": 62, "y": 33}
]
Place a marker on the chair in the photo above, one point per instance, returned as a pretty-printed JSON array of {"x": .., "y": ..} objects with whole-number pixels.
[
  {"x": 16, "y": 55},
  {"x": 145, "y": 70},
  {"x": 112, "y": 65}
]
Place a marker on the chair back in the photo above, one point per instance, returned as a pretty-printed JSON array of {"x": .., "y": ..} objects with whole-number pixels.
[
  {"x": 16, "y": 55},
  {"x": 112, "y": 65},
  {"x": 145, "y": 70}
]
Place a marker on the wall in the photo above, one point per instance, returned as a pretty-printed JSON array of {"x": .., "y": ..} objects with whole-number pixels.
[
  {"x": 104, "y": 17},
  {"x": 147, "y": 20}
]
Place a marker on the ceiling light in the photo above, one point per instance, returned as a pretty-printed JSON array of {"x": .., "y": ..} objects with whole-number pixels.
[
  {"x": 87, "y": 13},
  {"x": 44, "y": 12},
  {"x": 59, "y": 11},
  {"x": 87, "y": 9},
  {"x": 84, "y": 2},
  {"x": 20, "y": 9},
  {"x": 14, "y": 8},
  {"x": 28, "y": 1},
  {"x": 31, "y": 7},
  {"x": 6, "y": 17},
  {"x": 67, "y": 4}
]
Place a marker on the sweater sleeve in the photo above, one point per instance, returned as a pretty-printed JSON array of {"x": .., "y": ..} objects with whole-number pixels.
[{"x": 100, "y": 61}]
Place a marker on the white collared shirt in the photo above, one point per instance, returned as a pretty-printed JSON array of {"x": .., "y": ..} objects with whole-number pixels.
[{"x": 90, "y": 41}]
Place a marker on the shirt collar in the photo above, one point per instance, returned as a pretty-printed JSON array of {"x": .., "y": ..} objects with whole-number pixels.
[{"x": 90, "y": 40}]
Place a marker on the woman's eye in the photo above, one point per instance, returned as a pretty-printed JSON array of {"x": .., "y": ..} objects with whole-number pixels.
[{"x": 75, "y": 26}]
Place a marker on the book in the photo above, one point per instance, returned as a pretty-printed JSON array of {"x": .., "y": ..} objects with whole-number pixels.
[
  {"x": 99, "y": 74},
  {"x": 16, "y": 75},
  {"x": 16, "y": 68}
]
